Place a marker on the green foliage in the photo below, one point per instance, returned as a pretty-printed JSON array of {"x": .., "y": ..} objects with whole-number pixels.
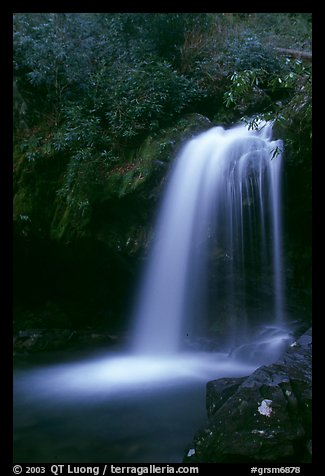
[
  {"x": 247, "y": 52},
  {"x": 149, "y": 95},
  {"x": 286, "y": 30},
  {"x": 96, "y": 85},
  {"x": 161, "y": 35},
  {"x": 242, "y": 83},
  {"x": 296, "y": 116},
  {"x": 90, "y": 87},
  {"x": 291, "y": 87}
]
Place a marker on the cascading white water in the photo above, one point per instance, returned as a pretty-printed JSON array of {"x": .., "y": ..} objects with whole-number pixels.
[
  {"x": 220, "y": 218},
  {"x": 221, "y": 206}
]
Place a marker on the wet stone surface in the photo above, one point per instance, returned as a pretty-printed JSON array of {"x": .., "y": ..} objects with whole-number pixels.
[{"x": 264, "y": 417}]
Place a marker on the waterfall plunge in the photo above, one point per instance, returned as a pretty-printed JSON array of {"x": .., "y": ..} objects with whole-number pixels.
[
  {"x": 221, "y": 206},
  {"x": 219, "y": 218}
]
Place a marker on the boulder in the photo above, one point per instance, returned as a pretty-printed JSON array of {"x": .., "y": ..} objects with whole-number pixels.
[{"x": 263, "y": 417}]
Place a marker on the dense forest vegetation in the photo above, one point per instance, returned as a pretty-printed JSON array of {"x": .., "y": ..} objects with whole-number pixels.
[{"x": 102, "y": 102}]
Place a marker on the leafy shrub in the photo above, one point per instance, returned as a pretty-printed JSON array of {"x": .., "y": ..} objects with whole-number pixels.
[
  {"x": 248, "y": 53},
  {"x": 92, "y": 86}
]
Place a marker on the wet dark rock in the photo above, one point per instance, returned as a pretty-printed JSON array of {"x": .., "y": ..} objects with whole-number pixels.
[
  {"x": 35, "y": 340},
  {"x": 201, "y": 344},
  {"x": 31, "y": 341},
  {"x": 263, "y": 417},
  {"x": 218, "y": 392},
  {"x": 73, "y": 266}
]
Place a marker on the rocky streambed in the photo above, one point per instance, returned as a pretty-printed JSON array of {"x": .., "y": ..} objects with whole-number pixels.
[{"x": 266, "y": 416}]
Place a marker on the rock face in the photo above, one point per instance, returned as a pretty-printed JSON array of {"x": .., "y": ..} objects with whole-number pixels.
[
  {"x": 75, "y": 261},
  {"x": 31, "y": 341},
  {"x": 263, "y": 417}
]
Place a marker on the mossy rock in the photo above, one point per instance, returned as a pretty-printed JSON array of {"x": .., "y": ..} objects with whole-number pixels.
[
  {"x": 138, "y": 176},
  {"x": 70, "y": 222},
  {"x": 151, "y": 158}
]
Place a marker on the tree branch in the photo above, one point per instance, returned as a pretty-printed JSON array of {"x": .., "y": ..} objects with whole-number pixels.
[{"x": 295, "y": 53}]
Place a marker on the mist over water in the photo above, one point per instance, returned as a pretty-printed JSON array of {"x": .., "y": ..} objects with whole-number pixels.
[{"x": 114, "y": 407}]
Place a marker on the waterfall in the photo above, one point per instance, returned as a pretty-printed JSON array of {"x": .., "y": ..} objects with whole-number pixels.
[
  {"x": 214, "y": 268},
  {"x": 217, "y": 241}
]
